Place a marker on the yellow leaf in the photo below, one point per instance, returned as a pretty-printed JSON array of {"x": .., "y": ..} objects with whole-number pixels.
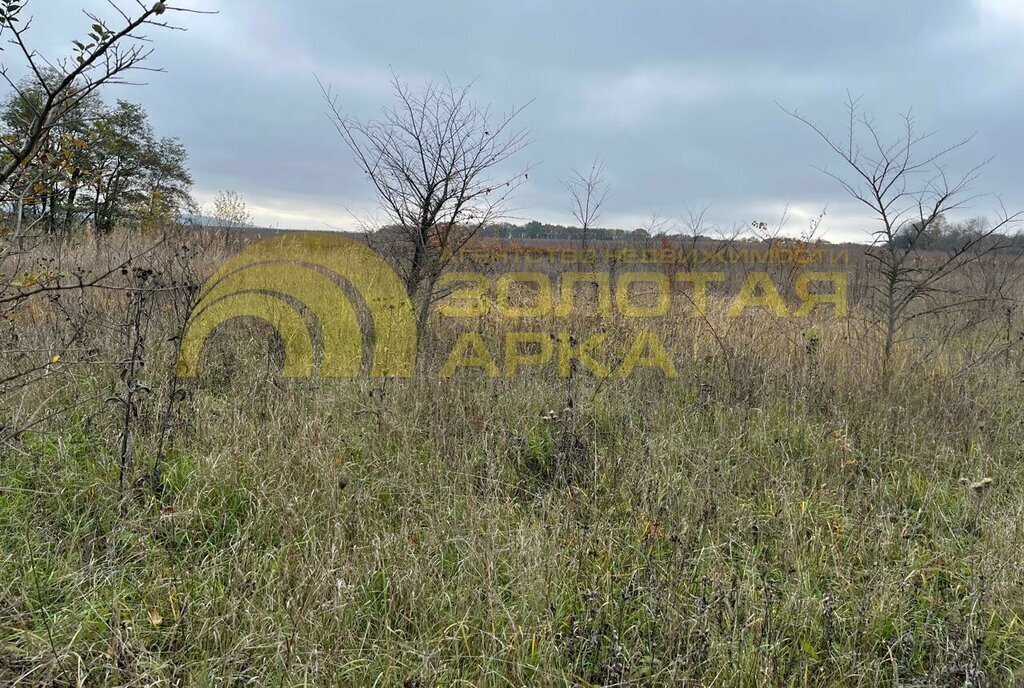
[
  {"x": 55, "y": 360},
  {"x": 154, "y": 617}
]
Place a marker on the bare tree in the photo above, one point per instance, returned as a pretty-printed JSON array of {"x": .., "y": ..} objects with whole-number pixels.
[
  {"x": 909, "y": 192},
  {"x": 588, "y": 193},
  {"x": 435, "y": 159}
]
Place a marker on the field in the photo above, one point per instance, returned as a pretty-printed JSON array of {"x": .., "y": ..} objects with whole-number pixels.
[{"x": 787, "y": 511}]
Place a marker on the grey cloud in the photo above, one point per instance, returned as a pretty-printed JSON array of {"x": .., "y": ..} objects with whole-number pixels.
[{"x": 679, "y": 98}]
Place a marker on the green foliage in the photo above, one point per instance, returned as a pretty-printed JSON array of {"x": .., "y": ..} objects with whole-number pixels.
[
  {"x": 9, "y": 10},
  {"x": 101, "y": 164},
  {"x": 230, "y": 210}
]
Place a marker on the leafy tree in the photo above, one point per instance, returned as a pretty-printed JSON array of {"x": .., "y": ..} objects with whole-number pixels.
[
  {"x": 100, "y": 164},
  {"x": 105, "y": 55},
  {"x": 45, "y": 187},
  {"x": 230, "y": 210}
]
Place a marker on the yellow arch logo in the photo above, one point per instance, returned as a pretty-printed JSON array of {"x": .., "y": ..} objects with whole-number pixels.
[{"x": 293, "y": 282}]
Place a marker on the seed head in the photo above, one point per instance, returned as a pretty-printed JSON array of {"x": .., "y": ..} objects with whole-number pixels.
[{"x": 982, "y": 486}]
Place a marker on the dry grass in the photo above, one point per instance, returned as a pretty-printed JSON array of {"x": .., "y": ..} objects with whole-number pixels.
[{"x": 774, "y": 516}]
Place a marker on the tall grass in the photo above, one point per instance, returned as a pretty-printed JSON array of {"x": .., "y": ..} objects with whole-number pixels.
[{"x": 773, "y": 516}]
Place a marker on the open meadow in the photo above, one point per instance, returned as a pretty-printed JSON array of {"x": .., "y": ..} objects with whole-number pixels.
[
  {"x": 554, "y": 344},
  {"x": 775, "y": 514}
]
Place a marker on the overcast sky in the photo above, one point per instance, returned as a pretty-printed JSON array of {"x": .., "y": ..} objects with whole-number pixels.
[{"x": 680, "y": 99}]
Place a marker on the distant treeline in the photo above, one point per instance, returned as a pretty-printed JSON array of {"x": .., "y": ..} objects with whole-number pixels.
[
  {"x": 942, "y": 235},
  {"x": 946, "y": 236},
  {"x": 541, "y": 230}
]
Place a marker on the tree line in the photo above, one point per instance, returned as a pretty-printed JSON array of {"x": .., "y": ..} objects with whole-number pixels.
[
  {"x": 944, "y": 235},
  {"x": 100, "y": 165},
  {"x": 543, "y": 230}
]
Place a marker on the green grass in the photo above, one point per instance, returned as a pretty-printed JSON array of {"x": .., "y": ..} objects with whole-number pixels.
[
  {"x": 319, "y": 535},
  {"x": 776, "y": 516}
]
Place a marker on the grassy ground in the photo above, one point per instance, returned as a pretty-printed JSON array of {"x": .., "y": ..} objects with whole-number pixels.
[{"x": 774, "y": 516}]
